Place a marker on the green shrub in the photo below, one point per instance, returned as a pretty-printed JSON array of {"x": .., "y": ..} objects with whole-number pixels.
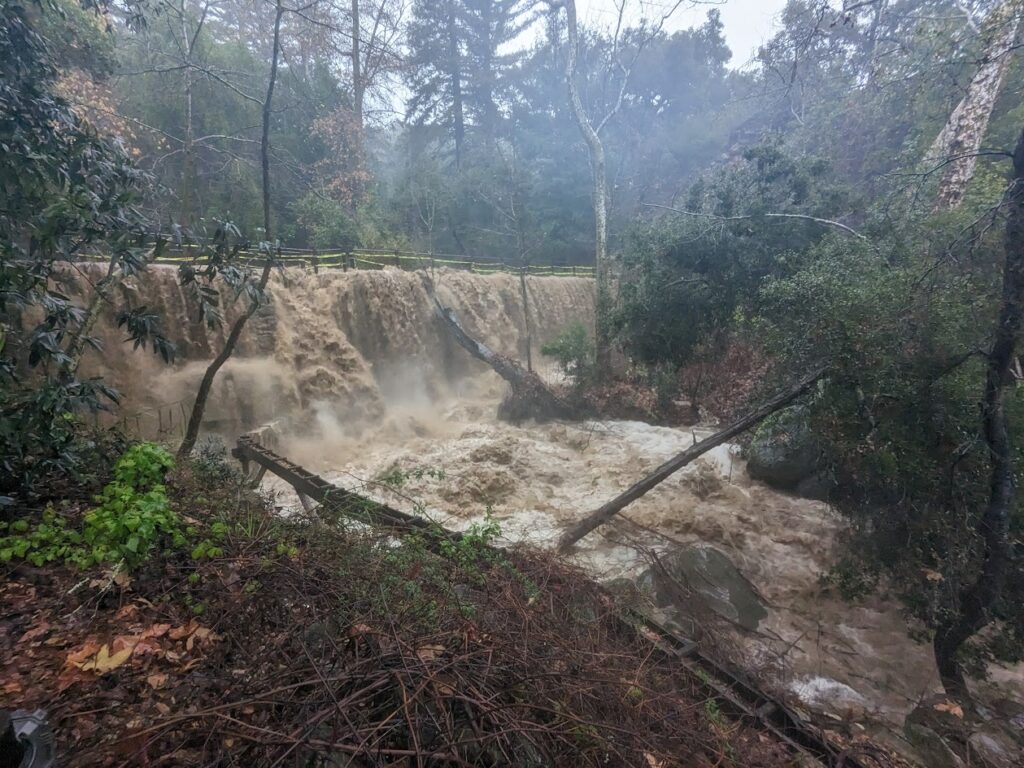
[
  {"x": 132, "y": 515},
  {"x": 574, "y": 352}
]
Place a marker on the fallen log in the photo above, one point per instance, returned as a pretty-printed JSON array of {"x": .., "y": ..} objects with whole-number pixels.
[
  {"x": 530, "y": 398},
  {"x": 605, "y": 513}
]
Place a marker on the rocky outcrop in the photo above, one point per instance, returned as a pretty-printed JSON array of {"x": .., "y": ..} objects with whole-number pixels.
[{"x": 693, "y": 580}]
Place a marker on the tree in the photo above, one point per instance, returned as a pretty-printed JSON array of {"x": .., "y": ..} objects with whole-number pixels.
[
  {"x": 63, "y": 189},
  {"x": 458, "y": 72},
  {"x": 957, "y": 145},
  {"x": 436, "y": 62},
  {"x": 225, "y": 253},
  {"x": 979, "y": 595},
  {"x": 591, "y": 132}
]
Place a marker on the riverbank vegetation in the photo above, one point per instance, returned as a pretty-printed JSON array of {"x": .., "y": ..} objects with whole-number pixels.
[
  {"x": 248, "y": 638},
  {"x": 847, "y": 212}
]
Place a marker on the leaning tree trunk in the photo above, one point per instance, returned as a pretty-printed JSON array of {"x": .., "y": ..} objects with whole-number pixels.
[
  {"x": 976, "y": 600},
  {"x": 206, "y": 385},
  {"x": 530, "y": 398},
  {"x": 960, "y": 140},
  {"x": 100, "y": 296},
  {"x": 605, "y": 513}
]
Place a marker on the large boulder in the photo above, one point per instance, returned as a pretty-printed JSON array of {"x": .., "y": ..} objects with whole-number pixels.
[
  {"x": 784, "y": 454},
  {"x": 693, "y": 580}
]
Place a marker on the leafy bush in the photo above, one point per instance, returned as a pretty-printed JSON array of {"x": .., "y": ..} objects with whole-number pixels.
[
  {"x": 903, "y": 324},
  {"x": 691, "y": 279},
  {"x": 63, "y": 189},
  {"x": 133, "y": 514},
  {"x": 574, "y": 352}
]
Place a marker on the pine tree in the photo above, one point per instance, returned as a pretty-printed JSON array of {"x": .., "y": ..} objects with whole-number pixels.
[{"x": 458, "y": 73}]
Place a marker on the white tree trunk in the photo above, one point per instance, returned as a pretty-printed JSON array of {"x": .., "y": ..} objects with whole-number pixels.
[
  {"x": 595, "y": 147},
  {"x": 959, "y": 141}
]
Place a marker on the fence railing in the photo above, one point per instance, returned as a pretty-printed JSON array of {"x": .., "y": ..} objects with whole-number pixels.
[{"x": 364, "y": 258}]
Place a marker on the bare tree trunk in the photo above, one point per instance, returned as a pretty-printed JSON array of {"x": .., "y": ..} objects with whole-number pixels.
[
  {"x": 976, "y": 600},
  {"x": 605, "y": 513},
  {"x": 188, "y": 46},
  {"x": 188, "y": 162},
  {"x": 960, "y": 140},
  {"x": 455, "y": 75},
  {"x": 267, "y": 112},
  {"x": 205, "y": 386},
  {"x": 527, "y": 321},
  {"x": 358, "y": 86},
  {"x": 595, "y": 148},
  {"x": 530, "y": 396}
]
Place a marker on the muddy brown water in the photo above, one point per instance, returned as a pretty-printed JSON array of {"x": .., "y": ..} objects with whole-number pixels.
[{"x": 358, "y": 380}]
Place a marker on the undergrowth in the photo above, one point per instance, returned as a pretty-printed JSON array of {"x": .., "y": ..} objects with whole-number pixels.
[
  {"x": 294, "y": 641},
  {"x": 132, "y": 514}
]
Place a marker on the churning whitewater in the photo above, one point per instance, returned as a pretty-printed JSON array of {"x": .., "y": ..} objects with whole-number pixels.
[{"x": 354, "y": 378}]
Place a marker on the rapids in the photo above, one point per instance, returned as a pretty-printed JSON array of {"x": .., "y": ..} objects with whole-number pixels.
[
  {"x": 341, "y": 343},
  {"x": 843, "y": 659},
  {"x": 357, "y": 379}
]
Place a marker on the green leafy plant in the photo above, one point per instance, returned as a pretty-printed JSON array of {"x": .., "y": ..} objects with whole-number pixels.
[
  {"x": 574, "y": 351},
  {"x": 475, "y": 550},
  {"x": 133, "y": 514},
  {"x": 396, "y": 478}
]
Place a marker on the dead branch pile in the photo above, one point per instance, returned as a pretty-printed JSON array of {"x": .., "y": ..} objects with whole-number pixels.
[{"x": 300, "y": 645}]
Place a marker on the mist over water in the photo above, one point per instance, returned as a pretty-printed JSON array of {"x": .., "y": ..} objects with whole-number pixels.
[
  {"x": 333, "y": 349},
  {"x": 355, "y": 378}
]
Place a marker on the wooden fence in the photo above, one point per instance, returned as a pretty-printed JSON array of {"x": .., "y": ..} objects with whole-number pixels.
[{"x": 362, "y": 258}]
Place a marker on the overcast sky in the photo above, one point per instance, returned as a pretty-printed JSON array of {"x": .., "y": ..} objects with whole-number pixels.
[{"x": 748, "y": 23}]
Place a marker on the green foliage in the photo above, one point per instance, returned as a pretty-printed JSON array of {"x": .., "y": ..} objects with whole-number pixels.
[
  {"x": 474, "y": 551},
  {"x": 132, "y": 516},
  {"x": 904, "y": 324},
  {"x": 693, "y": 278},
  {"x": 326, "y": 223},
  {"x": 574, "y": 351},
  {"x": 133, "y": 512},
  {"x": 62, "y": 189},
  {"x": 396, "y": 478}
]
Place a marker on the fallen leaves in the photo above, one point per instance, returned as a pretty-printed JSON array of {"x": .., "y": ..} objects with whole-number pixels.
[
  {"x": 102, "y": 658},
  {"x": 429, "y": 652},
  {"x": 35, "y": 632},
  {"x": 104, "y": 661},
  {"x": 951, "y": 707},
  {"x": 157, "y": 680}
]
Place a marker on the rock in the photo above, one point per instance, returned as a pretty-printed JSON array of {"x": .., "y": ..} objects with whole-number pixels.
[
  {"x": 704, "y": 574},
  {"x": 784, "y": 454},
  {"x": 826, "y": 694},
  {"x": 994, "y": 750},
  {"x": 931, "y": 748},
  {"x": 818, "y": 486}
]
